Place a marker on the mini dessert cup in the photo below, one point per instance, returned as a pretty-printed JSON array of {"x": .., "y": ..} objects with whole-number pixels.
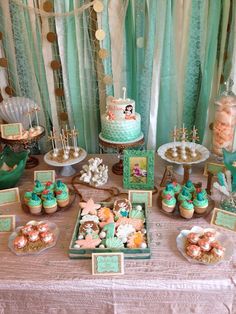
[
  {"x": 62, "y": 198},
  {"x": 200, "y": 203},
  {"x": 186, "y": 209},
  {"x": 168, "y": 203},
  {"x": 35, "y": 204}
]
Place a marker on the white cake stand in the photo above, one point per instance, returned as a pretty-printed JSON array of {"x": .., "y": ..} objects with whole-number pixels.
[
  {"x": 67, "y": 169},
  {"x": 180, "y": 169}
]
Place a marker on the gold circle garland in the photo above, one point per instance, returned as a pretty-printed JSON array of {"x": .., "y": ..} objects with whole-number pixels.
[
  {"x": 107, "y": 80},
  {"x": 100, "y": 34},
  {"x": 103, "y": 53},
  {"x": 98, "y": 6}
]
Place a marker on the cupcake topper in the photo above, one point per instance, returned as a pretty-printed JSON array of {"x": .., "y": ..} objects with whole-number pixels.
[
  {"x": 59, "y": 183},
  {"x": 124, "y": 92},
  {"x": 168, "y": 197},
  {"x": 184, "y": 192},
  {"x": 188, "y": 184},
  {"x": 37, "y": 183},
  {"x": 200, "y": 196},
  {"x": 34, "y": 197},
  {"x": 169, "y": 187}
]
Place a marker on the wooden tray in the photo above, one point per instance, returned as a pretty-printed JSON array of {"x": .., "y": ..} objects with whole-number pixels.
[
  {"x": 176, "y": 214},
  {"x": 80, "y": 253},
  {"x": 72, "y": 195}
]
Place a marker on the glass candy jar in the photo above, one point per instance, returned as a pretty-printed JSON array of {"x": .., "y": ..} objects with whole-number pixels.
[{"x": 224, "y": 123}]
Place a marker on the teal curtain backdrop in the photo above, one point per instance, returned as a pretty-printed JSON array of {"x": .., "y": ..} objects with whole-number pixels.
[{"x": 173, "y": 56}]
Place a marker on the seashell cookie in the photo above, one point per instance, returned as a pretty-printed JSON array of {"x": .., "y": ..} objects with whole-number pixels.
[
  {"x": 136, "y": 214},
  {"x": 123, "y": 232},
  {"x": 88, "y": 227},
  {"x": 122, "y": 208},
  {"x": 136, "y": 240},
  {"x": 136, "y": 223},
  {"x": 114, "y": 243}
]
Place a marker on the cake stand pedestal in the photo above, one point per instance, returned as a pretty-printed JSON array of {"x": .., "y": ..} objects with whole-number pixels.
[
  {"x": 25, "y": 144},
  {"x": 67, "y": 169},
  {"x": 184, "y": 168},
  {"x": 117, "y": 168}
]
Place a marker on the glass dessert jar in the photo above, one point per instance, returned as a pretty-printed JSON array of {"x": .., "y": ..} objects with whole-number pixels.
[{"x": 224, "y": 123}]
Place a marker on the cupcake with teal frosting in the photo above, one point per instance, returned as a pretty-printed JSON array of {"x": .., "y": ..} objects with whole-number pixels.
[
  {"x": 35, "y": 204},
  {"x": 49, "y": 186},
  {"x": 50, "y": 204},
  {"x": 176, "y": 187},
  {"x": 45, "y": 194},
  {"x": 200, "y": 203},
  {"x": 169, "y": 189},
  {"x": 62, "y": 198},
  {"x": 186, "y": 209},
  {"x": 60, "y": 186},
  {"x": 200, "y": 190},
  {"x": 38, "y": 187},
  {"x": 168, "y": 203},
  {"x": 190, "y": 186},
  {"x": 27, "y": 196},
  {"x": 184, "y": 195}
]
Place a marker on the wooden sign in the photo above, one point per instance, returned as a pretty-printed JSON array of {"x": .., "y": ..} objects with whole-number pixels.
[
  {"x": 213, "y": 168},
  {"x": 224, "y": 219},
  {"x": 7, "y": 223},
  {"x": 44, "y": 175},
  {"x": 107, "y": 264},
  {"x": 141, "y": 197},
  {"x": 9, "y": 196},
  {"x": 11, "y": 129}
]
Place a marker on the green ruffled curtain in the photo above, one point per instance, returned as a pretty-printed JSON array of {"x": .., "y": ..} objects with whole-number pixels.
[{"x": 174, "y": 57}]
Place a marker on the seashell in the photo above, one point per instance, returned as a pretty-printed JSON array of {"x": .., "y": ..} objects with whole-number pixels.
[
  {"x": 114, "y": 243},
  {"x": 135, "y": 213},
  {"x": 123, "y": 231},
  {"x": 94, "y": 173},
  {"x": 14, "y": 110}
]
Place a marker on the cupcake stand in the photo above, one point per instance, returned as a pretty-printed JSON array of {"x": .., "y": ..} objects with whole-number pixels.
[
  {"x": 67, "y": 169},
  {"x": 119, "y": 147}
]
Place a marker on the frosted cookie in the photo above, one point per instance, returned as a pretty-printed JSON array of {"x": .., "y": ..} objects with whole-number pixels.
[
  {"x": 89, "y": 207},
  {"x": 136, "y": 240},
  {"x": 105, "y": 214},
  {"x": 122, "y": 208},
  {"x": 90, "y": 241},
  {"x": 138, "y": 224},
  {"x": 90, "y": 218},
  {"x": 124, "y": 231},
  {"x": 88, "y": 227}
]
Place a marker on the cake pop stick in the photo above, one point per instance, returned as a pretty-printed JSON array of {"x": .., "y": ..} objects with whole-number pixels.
[{"x": 124, "y": 92}]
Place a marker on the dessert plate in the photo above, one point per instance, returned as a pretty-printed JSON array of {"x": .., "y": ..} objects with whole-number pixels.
[
  {"x": 33, "y": 251},
  {"x": 220, "y": 237}
]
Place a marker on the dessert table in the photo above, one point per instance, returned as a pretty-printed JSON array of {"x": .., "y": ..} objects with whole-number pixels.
[{"x": 166, "y": 283}]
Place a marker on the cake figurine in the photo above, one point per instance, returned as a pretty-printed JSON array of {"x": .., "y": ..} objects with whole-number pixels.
[
  {"x": 38, "y": 188},
  {"x": 35, "y": 204},
  {"x": 186, "y": 209},
  {"x": 200, "y": 203},
  {"x": 168, "y": 203},
  {"x": 184, "y": 195},
  {"x": 62, "y": 198},
  {"x": 169, "y": 189},
  {"x": 121, "y": 123},
  {"x": 50, "y": 204}
]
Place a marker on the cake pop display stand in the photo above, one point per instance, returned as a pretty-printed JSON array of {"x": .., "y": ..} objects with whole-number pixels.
[
  {"x": 67, "y": 169},
  {"x": 117, "y": 168},
  {"x": 179, "y": 169},
  {"x": 25, "y": 144}
]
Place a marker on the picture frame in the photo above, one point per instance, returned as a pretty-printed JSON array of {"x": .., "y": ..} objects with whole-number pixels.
[
  {"x": 11, "y": 129},
  {"x": 44, "y": 175},
  {"x": 140, "y": 196},
  {"x": 213, "y": 168},
  {"x": 138, "y": 169},
  {"x": 107, "y": 264},
  {"x": 224, "y": 219},
  {"x": 9, "y": 196},
  {"x": 7, "y": 223}
]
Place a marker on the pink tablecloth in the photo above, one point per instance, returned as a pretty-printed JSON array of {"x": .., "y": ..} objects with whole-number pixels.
[{"x": 167, "y": 283}]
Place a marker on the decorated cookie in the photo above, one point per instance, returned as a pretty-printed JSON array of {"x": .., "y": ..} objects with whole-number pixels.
[
  {"x": 114, "y": 243},
  {"x": 89, "y": 207},
  {"x": 109, "y": 229},
  {"x": 90, "y": 241},
  {"x": 135, "y": 213},
  {"x": 124, "y": 231},
  {"x": 105, "y": 214},
  {"x": 136, "y": 240},
  {"x": 122, "y": 208},
  {"x": 136, "y": 223},
  {"x": 89, "y": 218},
  {"x": 88, "y": 227}
]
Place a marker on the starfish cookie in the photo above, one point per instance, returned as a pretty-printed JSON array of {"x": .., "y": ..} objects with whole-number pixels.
[
  {"x": 89, "y": 207},
  {"x": 89, "y": 242}
]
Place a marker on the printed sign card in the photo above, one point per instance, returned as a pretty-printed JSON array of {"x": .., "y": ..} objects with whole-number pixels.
[
  {"x": 107, "y": 264},
  {"x": 9, "y": 196},
  {"x": 213, "y": 168},
  {"x": 11, "y": 129},
  {"x": 44, "y": 175},
  {"x": 7, "y": 223},
  {"x": 224, "y": 219},
  {"x": 141, "y": 197}
]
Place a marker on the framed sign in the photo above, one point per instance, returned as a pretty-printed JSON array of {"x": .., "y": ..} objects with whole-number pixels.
[
  {"x": 11, "y": 129},
  {"x": 224, "y": 219},
  {"x": 44, "y": 176},
  {"x": 141, "y": 197},
  {"x": 213, "y": 168},
  {"x": 138, "y": 170},
  {"x": 7, "y": 223},
  {"x": 9, "y": 196},
  {"x": 107, "y": 264}
]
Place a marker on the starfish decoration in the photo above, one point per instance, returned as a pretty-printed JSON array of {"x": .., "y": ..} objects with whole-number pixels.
[
  {"x": 194, "y": 135},
  {"x": 73, "y": 133},
  {"x": 89, "y": 207},
  {"x": 36, "y": 108},
  {"x": 89, "y": 242}
]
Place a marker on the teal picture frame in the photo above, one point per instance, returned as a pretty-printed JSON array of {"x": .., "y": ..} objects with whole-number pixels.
[{"x": 138, "y": 169}]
